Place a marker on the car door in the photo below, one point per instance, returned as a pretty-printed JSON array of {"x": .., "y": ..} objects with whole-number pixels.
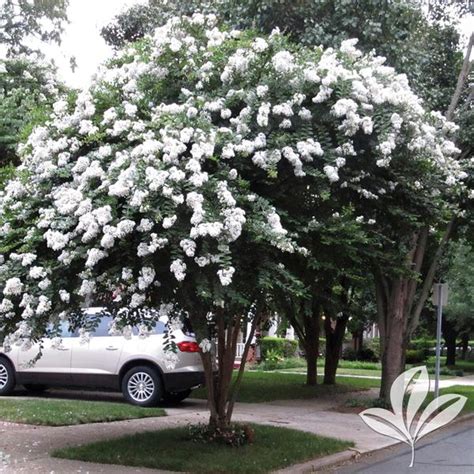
[
  {"x": 95, "y": 363},
  {"x": 54, "y": 365}
]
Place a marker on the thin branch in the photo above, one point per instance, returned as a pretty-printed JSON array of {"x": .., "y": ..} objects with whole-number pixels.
[
  {"x": 466, "y": 67},
  {"x": 416, "y": 266},
  {"x": 238, "y": 380},
  {"x": 428, "y": 282}
]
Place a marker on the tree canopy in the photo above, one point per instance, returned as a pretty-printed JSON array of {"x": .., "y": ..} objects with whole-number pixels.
[
  {"x": 184, "y": 153},
  {"x": 422, "y": 43}
]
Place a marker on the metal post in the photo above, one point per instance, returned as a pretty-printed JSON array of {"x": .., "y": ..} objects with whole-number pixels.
[{"x": 438, "y": 337}]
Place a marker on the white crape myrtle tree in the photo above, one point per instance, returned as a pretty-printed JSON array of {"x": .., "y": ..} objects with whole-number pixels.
[{"x": 171, "y": 184}]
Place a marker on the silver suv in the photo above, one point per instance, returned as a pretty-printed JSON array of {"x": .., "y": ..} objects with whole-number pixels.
[{"x": 136, "y": 366}]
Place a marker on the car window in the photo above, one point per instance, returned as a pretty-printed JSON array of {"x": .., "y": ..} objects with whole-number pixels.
[
  {"x": 160, "y": 328},
  {"x": 102, "y": 329},
  {"x": 65, "y": 332}
]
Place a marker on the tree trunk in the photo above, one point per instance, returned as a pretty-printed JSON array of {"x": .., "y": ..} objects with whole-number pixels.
[
  {"x": 451, "y": 352},
  {"x": 312, "y": 364},
  {"x": 221, "y": 392},
  {"x": 393, "y": 329},
  {"x": 450, "y": 335},
  {"x": 393, "y": 360},
  {"x": 311, "y": 342},
  {"x": 334, "y": 339},
  {"x": 465, "y": 345},
  {"x": 304, "y": 316}
]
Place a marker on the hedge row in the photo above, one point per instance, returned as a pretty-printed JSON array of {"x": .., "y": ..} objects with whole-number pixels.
[{"x": 278, "y": 347}]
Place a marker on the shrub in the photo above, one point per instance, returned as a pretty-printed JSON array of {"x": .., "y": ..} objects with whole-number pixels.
[
  {"x": 273, "y": 359},
  {"x": 415, "y": 356},
  {"x": 365, "y": 354},
  {"x": 374, "y": 345},
  {"x": 277, "y": 347},
  {"x": 349, "y": 354},
  {"x": 423, "y": 344}
]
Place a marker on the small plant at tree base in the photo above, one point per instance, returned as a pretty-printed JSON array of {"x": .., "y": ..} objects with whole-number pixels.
[
  {"x": 273, "y": 359},
  {"x": 235, "y": 435}
]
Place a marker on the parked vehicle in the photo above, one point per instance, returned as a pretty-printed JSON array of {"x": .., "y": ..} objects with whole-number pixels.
[{"x": 135, "y": 366}]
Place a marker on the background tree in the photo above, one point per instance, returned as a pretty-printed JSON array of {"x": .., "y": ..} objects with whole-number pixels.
[
  {"x": 24, "y": 20},
  {"x": 28, "y": 86},
  {"x": 459, "y": 313},
  {"x": 28, "y": 89}
]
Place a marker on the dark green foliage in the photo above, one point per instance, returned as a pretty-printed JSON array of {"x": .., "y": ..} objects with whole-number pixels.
[
  {"x": 27, "y": 91},
  {"x": 415, "y": 356},
  {"x": 460, "y": 278},
  {"x": 425, "y": 345},
  {"x": 366, "y": 354},
  {"x": 424, "y": 45}
]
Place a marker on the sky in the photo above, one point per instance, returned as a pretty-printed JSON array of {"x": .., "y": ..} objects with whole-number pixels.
[{"x": 82, "y": 38}]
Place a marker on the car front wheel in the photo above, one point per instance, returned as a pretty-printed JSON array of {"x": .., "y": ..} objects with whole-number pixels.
[
  {"x": 142, "y": 386},
  {"x": 7, "y": 377}
]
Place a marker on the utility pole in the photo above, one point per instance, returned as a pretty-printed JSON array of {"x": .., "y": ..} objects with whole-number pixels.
[{"x": 440, "y": 299}]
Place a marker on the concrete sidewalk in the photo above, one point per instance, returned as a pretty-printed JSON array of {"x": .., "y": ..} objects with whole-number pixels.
[{"x": 28, "y": 447}]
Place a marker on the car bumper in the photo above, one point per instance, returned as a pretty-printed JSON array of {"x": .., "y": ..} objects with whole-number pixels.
[{"x": 180, "y": 381}]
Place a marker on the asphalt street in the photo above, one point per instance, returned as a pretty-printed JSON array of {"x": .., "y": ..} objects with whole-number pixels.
[{"x": 449, "y": 451}]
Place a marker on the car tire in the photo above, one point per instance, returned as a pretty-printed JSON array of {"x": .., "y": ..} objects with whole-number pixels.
[
  {"x": 35, "y": 388},
  {"x": 174, "y": 398},
  {"x": 7, "y": 377},
  {"x": 142, "y": 386}
]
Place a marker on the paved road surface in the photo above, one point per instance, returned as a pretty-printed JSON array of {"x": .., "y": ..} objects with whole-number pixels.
[{"x": 450, "y": 451}]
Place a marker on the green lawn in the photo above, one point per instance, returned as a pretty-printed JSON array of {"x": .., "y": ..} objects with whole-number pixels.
[
  {"x": 466, "y": 365},
  {"x": 171, "y": 449},
  {"x": 258, "y": 387},
  {"x": 70, "y": 412},
  {"x": 462, "y": 390}
]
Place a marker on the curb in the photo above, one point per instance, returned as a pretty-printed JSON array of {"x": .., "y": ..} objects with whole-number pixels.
[{"x": 316, "y": 464}]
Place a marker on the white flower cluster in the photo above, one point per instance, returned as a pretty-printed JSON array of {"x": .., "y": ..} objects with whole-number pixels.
[{"x": 164, "y": 183}]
